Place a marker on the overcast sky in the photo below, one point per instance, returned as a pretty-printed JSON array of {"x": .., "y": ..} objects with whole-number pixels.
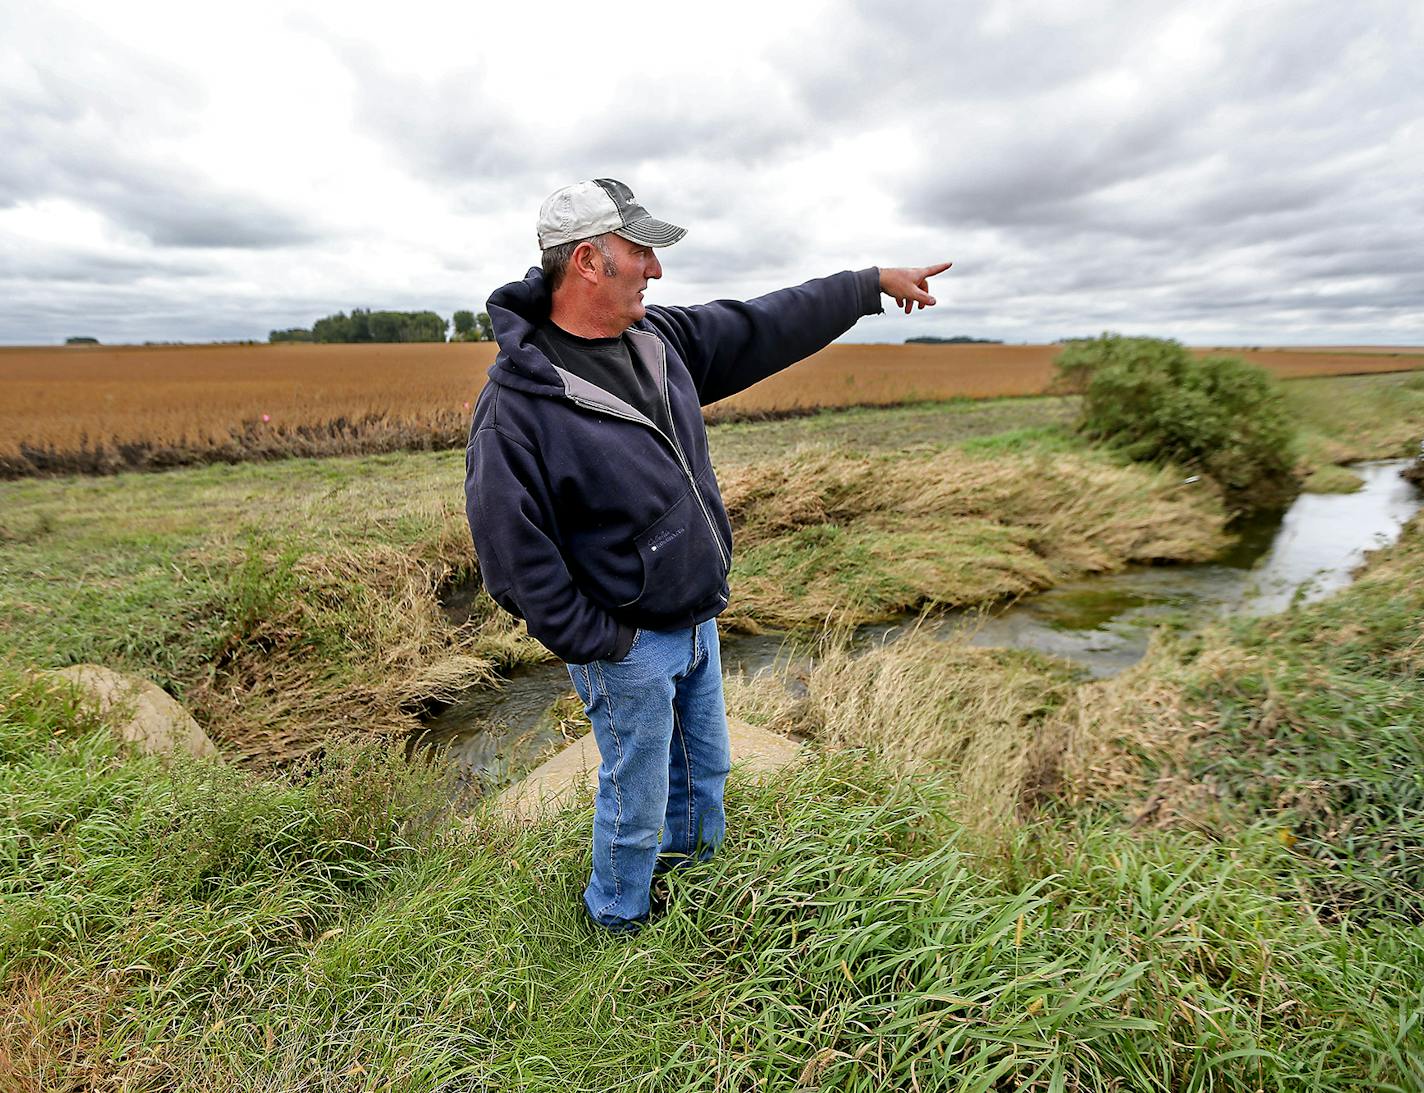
[{"x": 1219, "y": 172}]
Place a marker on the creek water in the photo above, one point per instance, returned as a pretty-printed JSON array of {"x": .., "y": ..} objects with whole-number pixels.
[{"x": 1102, "y": 623}]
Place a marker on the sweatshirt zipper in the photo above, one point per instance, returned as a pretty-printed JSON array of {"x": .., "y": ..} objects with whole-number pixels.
[
  {"x": 681, "y": 459},
  {"x": 667, "y": 405}
]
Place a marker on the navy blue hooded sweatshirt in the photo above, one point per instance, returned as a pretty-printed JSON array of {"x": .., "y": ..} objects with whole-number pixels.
[{"x": 588, "y": 520}]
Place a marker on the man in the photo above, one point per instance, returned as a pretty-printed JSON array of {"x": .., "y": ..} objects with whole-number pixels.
[{"x": 597, "y": 518}]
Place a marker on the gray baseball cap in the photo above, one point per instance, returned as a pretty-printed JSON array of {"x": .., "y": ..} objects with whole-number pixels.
[{"x": 586, "y": 209}]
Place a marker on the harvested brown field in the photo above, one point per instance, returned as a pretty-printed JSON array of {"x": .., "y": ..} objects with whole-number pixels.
[
  {"x": 877, "y": 375},
  {"x": 103, "y": 409}
]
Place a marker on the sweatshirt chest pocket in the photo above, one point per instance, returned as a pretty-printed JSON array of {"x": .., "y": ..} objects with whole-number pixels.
[{"x": 679, "y": 557}]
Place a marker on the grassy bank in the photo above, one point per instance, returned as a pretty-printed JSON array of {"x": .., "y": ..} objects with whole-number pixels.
[
  {"x": 1357, "y": 417},
  {"x": 284, "y": 603},
  {"x": 1195, "y": 879},
  {"x": 294, "y": 602},
  {"x": 287, "y": 604}
]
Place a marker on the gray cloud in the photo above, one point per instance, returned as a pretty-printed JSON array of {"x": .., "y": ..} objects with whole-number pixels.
[
  {"x": 171, "y": 206},
  {"x": 72, "y": 137},
  {"x": 1200, "y": 169},
  {"x": 454, "y": 127},
  {"x": 94, "y": 267}
]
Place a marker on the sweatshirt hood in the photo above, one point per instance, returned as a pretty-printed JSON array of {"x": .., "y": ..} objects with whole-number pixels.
[{"x": 515, "y": 310}]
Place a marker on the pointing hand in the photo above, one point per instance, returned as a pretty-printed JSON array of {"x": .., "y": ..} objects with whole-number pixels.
[{"x": 910, "y": 286}]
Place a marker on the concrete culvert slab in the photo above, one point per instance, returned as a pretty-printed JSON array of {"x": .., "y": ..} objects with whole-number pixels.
[
  {"x": 556, "y": 783},
  {"x": 140, "y": 712}
]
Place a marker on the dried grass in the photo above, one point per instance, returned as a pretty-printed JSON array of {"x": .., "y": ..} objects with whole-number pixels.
[
  {"x": 1128, "y": 738},
  {"x": 923, "y": 704},
  {"x": 374, "y": 610},
  {"x": 823, "y": 532}
]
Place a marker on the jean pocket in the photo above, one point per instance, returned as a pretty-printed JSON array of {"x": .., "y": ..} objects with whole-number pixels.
[{"x": 583, "y": 686}]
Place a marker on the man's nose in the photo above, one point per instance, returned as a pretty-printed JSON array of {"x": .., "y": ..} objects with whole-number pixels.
[{"x": 654, "y": 268}]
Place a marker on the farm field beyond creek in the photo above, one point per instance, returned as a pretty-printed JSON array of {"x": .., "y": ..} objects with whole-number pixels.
[
  {"x": 92, "y": 409},
  {"x": 988, "y": 871}
]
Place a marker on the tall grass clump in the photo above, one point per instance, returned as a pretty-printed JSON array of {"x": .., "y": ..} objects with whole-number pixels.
[
  {"x": 823, "y": 531},
  {"x": 1152, "y": 400},
  {"x": 134, "y": 893},
  {"x": 925, "y": 705}
]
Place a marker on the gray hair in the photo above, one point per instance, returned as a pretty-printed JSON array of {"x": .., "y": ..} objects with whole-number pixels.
[{"x": 555, "y": 261}]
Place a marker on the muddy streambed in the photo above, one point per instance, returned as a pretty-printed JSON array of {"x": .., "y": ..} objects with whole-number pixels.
[{"x": 1102, "y": 623}]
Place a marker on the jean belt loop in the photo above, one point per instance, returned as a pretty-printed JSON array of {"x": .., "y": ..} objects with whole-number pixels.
[{"x": 694, "y": 645}]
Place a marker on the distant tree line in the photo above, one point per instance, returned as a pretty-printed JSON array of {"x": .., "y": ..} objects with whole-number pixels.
[
  {"x": 232, "y": 341},
  {"x": 470, "y": 327},
  {"x": 958, "y": 339},
  {"x": 364, "y": 325},
  {"x": 380, "y": 326}
]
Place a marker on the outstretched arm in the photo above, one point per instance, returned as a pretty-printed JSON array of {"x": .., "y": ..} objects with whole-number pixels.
[
  {"x": 909, "y": 286},
  {"x": 729, "y": 345}
]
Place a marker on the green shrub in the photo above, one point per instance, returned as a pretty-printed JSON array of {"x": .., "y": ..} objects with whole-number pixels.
[{"x": 1152, "y": 400}]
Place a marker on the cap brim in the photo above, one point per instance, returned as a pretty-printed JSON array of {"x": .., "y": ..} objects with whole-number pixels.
[{"x": 651, "y": 233}]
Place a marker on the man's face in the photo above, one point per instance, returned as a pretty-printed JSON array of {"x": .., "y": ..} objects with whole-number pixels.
[{"x": 633, "y": 265}]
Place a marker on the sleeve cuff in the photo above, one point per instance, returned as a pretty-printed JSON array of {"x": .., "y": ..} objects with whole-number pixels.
[{"x": 869, "y": 281}]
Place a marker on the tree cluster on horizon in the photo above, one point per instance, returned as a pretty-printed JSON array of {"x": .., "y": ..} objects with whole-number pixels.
[
  {"x": 365, "y": 325},
  {"x": 958, "y": 339}
]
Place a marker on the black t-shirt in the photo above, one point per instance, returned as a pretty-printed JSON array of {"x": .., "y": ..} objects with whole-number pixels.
[{"x": 606, "y": 363}]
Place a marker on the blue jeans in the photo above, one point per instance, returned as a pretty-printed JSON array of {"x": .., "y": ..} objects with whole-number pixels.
[{"x": 661, "y": 727}]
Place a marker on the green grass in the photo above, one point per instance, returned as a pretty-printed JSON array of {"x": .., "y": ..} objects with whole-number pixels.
[
  {"x": 137, "y": 569},
  {"x": 1025, "y": 439},
  {"x": 1332, "y": 478},
  {"x": 204, "y": 928},
  {"x": 284, "y": 603},
  {"x": 892, "y": 428},
  {"x": 1357, "y": 417},
  {"x": 1322, "y": 727}
]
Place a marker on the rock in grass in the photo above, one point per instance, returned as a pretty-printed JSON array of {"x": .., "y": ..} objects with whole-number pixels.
[{"x": 140, "y": 712}]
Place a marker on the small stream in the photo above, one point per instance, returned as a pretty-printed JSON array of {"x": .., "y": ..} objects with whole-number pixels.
[{"x": 1102, "y": 623}]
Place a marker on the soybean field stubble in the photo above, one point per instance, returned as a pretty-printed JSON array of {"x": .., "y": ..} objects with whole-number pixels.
[{"x": 102, "y": 409}]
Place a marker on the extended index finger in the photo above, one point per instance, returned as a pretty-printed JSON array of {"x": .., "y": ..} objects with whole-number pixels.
[{"x": 940, "y": 267}]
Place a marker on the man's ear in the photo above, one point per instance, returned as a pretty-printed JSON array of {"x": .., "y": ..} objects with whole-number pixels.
[{"x": 586, "y": 261}]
